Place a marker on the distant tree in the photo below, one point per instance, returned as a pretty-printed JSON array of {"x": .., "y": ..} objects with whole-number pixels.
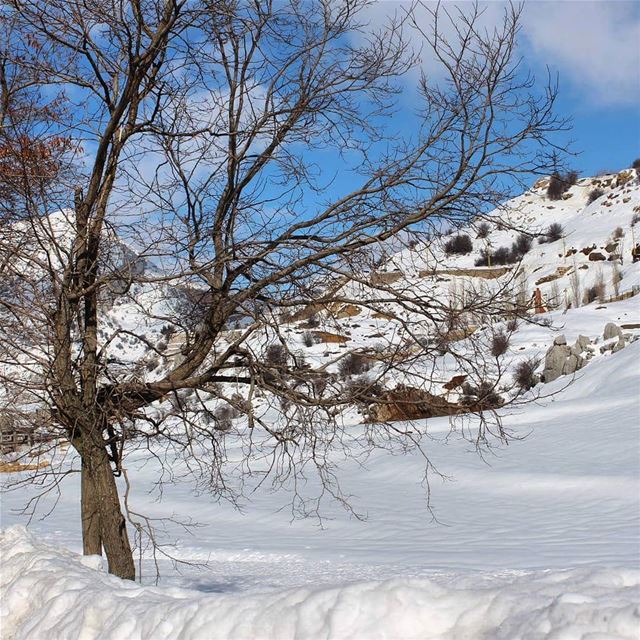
[{"x": 199, "y": 121}]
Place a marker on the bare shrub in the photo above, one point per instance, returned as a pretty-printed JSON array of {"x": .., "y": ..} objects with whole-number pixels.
[
  {"x": 460, "y": 245},
  {"x": 618, "y": 233},
  {"x": 483, "y": 259},
  {"x": 591, "y": 294},
  {"x": 300, "y": 360},
  {"x": 553, "y": 233},
  {"x": 308, "y": 339},
  {"x": 521, "y": 246},
  {"x": 499, "y": 344},
  {"x": 635, "y": 219},
  {"x": 484, "y": 229},
  {"x": 594, "y": 194},
  {"x": 276, "y": 355},
  {"x": 525, "y": 374},
  {"x": 555, "y": 188},
  {"x": 313, "y": 321},
  {"x": 223, "y": 417},
  {"x": 616, "y": 278},
  {"x": 481, "y": 397},
  {"x": 503, "y": 256},
  {"x": 574, "y": 286},
  {"x": 559, "y": 184},
  {"x": 362, "y": 390},
  {"x": 636, "y": 164},
  {"x": 512, "y": 325},
  {"x": 353, "y": 364}
]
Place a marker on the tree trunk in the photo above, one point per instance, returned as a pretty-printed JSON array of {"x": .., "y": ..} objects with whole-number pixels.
[
  {"x": 112, "y": 525},
  {"x": 90, "y": 513}
]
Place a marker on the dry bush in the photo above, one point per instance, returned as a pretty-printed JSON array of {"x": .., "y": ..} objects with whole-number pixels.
[
  {"x": 521, "y": 246},
  {"x": 594, "y": 194},
  {"x": 483, "y": 260},
  {"x": 502, "y": 256},
  {"x": 636, "y": 164},
  {"x": 499, "y": 344},
  {"x": 591, "y": 294},
  {"x": 512, "y": 325},
  {"x": 362, "y": 390},
  {"x": 276, "y": 355},
  {"x": 484, "y": 229},
  {"x": 618, "y": 233},
  {"x": 481, "y": 397},
  {"x": 353, "y": 364},
  {"x": 223, "y": 417},
  {"x": 553, "y": 233},
  {"x": 559, "y": 184},
  {"x": 525, "y": 374},
  {"x": 616, "y": 278},
  {"x": 459, "y": 245},
  {"x": 308, "y": 339},
  {"x": 555, "y": 188}
]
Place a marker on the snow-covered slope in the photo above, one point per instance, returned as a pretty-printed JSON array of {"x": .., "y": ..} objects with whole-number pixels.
[
  {"x": 538, "y": 538},
  {"x": 542, "y": 540}
]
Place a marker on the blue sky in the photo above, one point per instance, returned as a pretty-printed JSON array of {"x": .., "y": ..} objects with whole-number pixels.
[{"x": 594, "y": 48}]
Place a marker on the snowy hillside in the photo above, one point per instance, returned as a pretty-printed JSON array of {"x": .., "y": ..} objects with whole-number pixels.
[{"x": 535, "y": 538}]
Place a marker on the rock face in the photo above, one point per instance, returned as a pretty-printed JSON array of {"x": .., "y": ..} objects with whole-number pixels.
[
  {"x": 562, "y": 360},
  {"x": 555, "y": 359},
  {"x": 618, "y": 346},
  {"x": 583, "y": 342},
  {"x": 612, "y": 330}
]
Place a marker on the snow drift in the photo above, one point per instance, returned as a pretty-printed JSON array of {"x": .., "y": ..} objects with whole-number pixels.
[{"x": 50, "y": 593}]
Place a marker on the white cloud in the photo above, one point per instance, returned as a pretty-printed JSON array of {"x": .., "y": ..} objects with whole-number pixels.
[{"x": 595, "y": 45}]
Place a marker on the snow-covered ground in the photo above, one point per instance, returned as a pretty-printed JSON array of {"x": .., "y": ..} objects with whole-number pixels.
[
  {"x": 50, "y": 594},
  {"x": 540, "y": 539},
  {"x": 537, "y": 538}
]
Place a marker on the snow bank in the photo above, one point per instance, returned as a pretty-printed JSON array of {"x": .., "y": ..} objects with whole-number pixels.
[{"x": 54, "y": 594}]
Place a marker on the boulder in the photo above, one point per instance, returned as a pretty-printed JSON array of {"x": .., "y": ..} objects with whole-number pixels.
[
  {"x": 611, "y": 247},
  {"x": 612, "y": 330},
  {"x": 554, "y": 360},
  {"x": 618, "y": 346},
  {"x": 583, "y": 342},
  {"x": 560, "y": 340},
  {"x": 572, "y": 364},
  {"x": 596, "y": 255}
]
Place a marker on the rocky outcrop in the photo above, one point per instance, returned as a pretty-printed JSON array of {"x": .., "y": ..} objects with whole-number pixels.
[
  {"x": 562, "y": 360},
  {"x": 612, "y": 330},
  {"x": 618, "y": 346},
  {"x": 555, "y": 359}
]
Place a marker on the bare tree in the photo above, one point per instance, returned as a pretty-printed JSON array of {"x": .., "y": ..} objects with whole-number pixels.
[{"x": 189, "y": 191}]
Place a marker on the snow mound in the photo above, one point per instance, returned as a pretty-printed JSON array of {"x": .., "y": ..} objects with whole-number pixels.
[{"x": 54, "y": 594}]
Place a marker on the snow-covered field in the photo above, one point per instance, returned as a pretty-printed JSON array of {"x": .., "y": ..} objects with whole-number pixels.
[
  {"x": 540, "y": 539},
  {"x": 537, "y": 538}
]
